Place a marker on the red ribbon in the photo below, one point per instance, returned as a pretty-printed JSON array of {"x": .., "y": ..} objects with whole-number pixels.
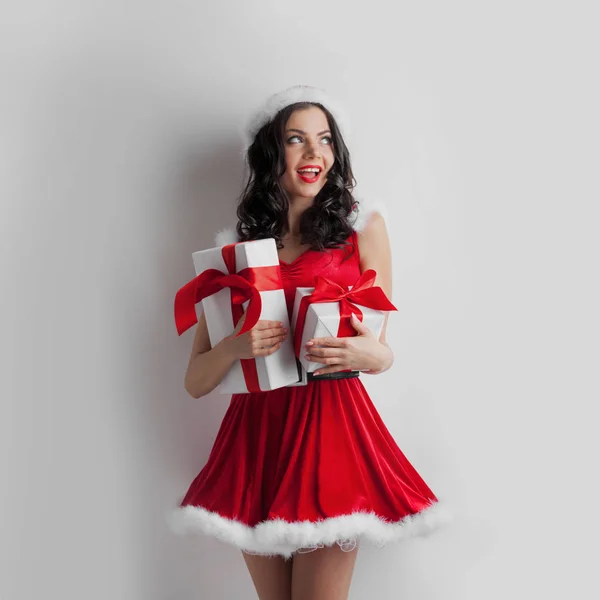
[
  {"x": 245, "y": 285},
  {"x": 363, "y": 292}
]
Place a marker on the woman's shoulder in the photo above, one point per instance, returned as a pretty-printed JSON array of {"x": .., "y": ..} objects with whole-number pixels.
[
  {"x": 364, "y": 210},
  {"x": 358, "y": 219}
]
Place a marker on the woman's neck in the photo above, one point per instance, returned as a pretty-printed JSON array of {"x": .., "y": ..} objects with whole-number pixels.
[{"x": 296, "y": 207}]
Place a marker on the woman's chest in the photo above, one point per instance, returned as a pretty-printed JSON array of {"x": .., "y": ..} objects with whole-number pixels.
[{"x": 342, "y": 266}]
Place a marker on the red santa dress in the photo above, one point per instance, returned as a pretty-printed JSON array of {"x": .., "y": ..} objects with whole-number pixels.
[{"x": 297, "y": 468}]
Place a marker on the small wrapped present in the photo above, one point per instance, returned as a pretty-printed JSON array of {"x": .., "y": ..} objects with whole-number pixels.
[
  {"x": 326, "y": 309},
  {"x": 238, "y": 277}
]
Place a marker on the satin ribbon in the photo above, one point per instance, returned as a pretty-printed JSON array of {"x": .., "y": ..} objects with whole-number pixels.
[
  {"x": 363, "y": 292},
  {"x": 245, "y": 285}
]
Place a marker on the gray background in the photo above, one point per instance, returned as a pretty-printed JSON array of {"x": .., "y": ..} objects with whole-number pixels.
[{"x": 475, "y": 123}]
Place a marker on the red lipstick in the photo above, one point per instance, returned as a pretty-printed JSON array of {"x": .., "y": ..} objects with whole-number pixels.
[{"x": 312, "y": 177}]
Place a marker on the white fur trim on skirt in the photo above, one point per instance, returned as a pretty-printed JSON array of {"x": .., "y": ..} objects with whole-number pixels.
[{"x": 283, "y": 538}]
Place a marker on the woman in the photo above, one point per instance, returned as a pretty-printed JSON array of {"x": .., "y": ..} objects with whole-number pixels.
[{"x": 299, "y": 475}]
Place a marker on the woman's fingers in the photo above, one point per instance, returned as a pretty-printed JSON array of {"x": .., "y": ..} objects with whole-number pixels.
[
  {"x": 263, "y": 334},
  {"x": 327, "y": 356},
  {"x": 332, "y": 360},
  {"x": 333, "y": 356},
  {"x": 267, "y": 351},
  {"x": 264, "y": 324},
  {"x": 328, "y": 342},
  {"x": 268, "y": 342},
  {"x": 265, "y": 330},
  {"x": 326, "y": 352}
]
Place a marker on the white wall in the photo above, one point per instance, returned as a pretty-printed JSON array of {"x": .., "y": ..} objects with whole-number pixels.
[{"x": 477, "y": 124}]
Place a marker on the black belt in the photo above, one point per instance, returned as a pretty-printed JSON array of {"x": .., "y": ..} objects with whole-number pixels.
[{"x": 336, "y": 375}]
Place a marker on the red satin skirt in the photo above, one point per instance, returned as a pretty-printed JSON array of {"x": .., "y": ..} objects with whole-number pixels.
[{"x": 297, "y": 468}]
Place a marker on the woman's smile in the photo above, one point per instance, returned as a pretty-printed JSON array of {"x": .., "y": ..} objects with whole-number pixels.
[{"x": 309, "y": 173}]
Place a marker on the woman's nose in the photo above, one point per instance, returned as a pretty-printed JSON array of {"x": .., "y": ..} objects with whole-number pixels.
[{"x": 312, "y": 149}]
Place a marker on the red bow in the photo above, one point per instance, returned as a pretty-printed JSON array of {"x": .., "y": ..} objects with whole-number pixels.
[
  {"x": 363, "y": 292},
  {"x": 245, "y": 285}
]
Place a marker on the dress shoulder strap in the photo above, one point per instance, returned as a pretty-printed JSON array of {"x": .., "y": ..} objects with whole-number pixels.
[{"x": 355, "y": 245}]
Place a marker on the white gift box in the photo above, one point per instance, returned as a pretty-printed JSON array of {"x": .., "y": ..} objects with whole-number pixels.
[
  {"x": 275, "y": 370},
  {"x": 301, "y": 373},
  {"x": 323, "y": 320}
]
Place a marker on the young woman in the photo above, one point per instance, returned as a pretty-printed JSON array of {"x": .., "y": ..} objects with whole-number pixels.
[{"x": 299, "y": 475}]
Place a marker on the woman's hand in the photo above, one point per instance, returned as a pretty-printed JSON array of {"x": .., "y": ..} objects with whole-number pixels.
[
  {"x": 263, "y": 339},
  {"x": 363, "y": 352}
]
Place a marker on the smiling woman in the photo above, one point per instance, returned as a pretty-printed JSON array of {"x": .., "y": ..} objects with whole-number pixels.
[
  {"x": 278, "y": 201},
  {"x": 300, "y": 475}
]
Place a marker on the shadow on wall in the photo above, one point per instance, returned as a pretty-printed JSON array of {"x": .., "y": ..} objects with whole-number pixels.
[
  {"x": 203, "y": 198},
  {"x": 177, "y": 431},
  {"x": 140, "y": 191}
]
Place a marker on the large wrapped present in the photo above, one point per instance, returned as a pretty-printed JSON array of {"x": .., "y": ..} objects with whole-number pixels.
[
  {"x": 233, "y": 279},
  {"x": 326, "y": 310},
  {"x": 302, "y": 374}
]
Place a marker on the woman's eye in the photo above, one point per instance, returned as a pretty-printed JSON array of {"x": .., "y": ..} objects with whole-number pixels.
[{"x": 324, "y": 138}]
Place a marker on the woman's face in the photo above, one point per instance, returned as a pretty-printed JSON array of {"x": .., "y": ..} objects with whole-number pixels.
[{"x": 308, "y": 143}]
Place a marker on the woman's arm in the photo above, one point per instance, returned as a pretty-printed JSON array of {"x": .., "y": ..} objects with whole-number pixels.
[
  {"x": 363, "y": 352},
  {"x": 207, "y": 366},
  {"x": 375, "y": 253}
]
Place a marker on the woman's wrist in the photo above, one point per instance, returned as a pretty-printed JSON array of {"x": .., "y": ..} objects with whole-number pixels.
[
  {"x": 384, "y": 360},
  {"x": 226, "y": 347}
]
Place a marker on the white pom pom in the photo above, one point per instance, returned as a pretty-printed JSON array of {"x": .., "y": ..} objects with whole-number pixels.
[
  {"x": 365, "y": 210},
  {"x": 225, "y": 236}
]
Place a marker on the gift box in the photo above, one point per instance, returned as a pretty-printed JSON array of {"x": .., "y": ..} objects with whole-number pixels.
[
  {"x": 231, "y": 280},
  {"x": 326, "y": 309},
  {"x": 302, "y": 374}
]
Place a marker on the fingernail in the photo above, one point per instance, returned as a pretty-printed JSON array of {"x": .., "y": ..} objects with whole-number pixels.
[{"x": 309, "y": 343}]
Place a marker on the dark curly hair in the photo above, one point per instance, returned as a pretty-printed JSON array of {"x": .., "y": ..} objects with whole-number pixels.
[{"x": 263, "y": 205}]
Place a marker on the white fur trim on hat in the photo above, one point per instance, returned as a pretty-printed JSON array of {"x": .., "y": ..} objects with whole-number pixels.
[
  {"x": 291, "y": 95},
  {"x": 228, "y": 235}
]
